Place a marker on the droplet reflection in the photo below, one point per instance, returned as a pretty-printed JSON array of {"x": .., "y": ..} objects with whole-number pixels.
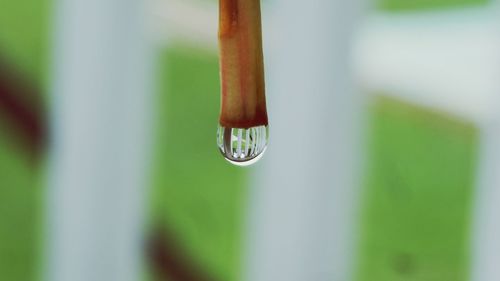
[{"x": 242, "y": 147}]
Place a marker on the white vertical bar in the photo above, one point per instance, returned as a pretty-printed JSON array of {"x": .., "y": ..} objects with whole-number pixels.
[
  {"x": 486, "y": 222},
  {"x": 100, "y": 140},
  {"x": 303, "y": 203},
  {"x": 486, "y": 225}
]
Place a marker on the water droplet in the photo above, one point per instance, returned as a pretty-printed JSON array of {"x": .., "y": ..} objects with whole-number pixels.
[{"x": 242, "y": 147}]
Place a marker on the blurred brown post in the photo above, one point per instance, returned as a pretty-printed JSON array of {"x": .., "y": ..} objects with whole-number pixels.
[{"x": 22, "y": 109}]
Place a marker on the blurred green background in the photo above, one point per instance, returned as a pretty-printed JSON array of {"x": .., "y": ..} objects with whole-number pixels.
[
  {"x": 417, "y": 199},
  {"x": 411, "y": 202}
]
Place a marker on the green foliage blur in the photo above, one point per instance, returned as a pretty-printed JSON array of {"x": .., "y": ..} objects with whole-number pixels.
[
  {"x": 426, "y": 5},
  {"x": 417, "y": 201},
  {"x": 196, "y": 192}
]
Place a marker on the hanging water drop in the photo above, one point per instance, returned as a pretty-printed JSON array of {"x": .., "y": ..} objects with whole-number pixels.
[{"x": 243, "y": 147}]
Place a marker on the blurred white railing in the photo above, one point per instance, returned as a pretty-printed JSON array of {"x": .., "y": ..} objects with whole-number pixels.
[{"x": 100, "y": 141}]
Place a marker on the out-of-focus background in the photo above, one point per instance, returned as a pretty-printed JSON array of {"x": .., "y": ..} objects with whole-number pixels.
[{"x": 382, "y": 162}]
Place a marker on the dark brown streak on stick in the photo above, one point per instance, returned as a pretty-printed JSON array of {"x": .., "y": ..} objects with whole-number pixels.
[{"x": 228, "y": 17}]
